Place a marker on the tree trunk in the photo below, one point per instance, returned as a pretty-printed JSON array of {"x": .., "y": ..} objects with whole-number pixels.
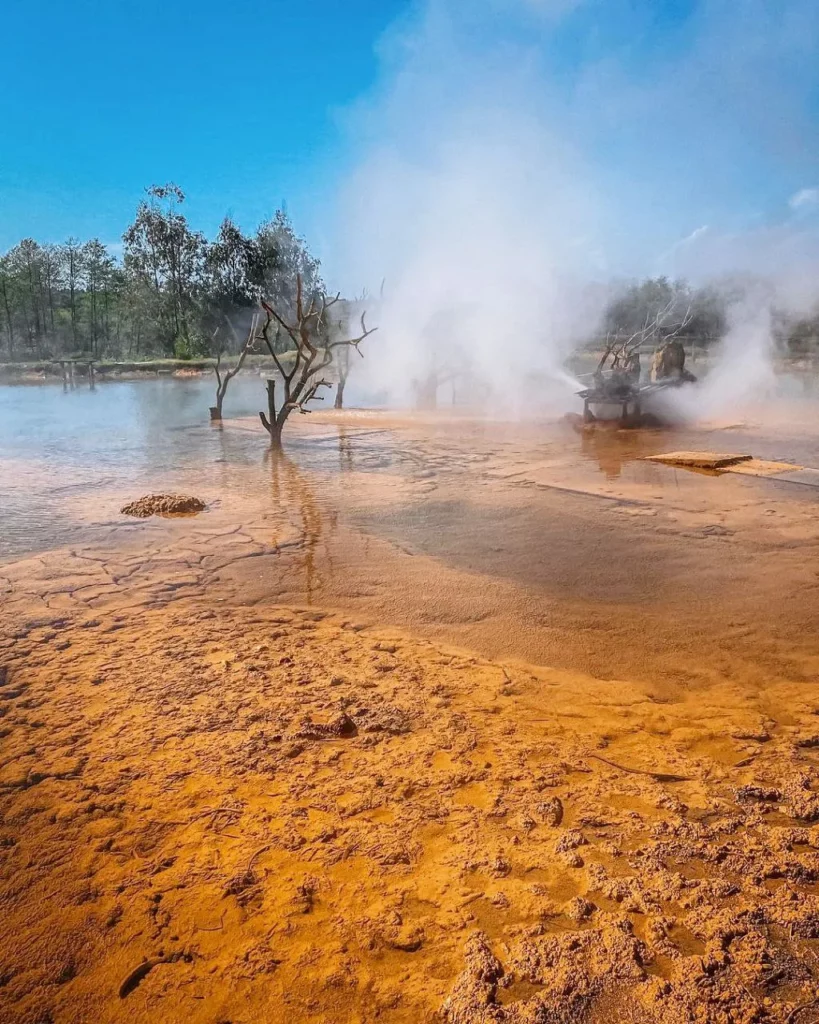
[
  {"x": 221, "y": 388},
  {"x": 73, "y": 308},
  {"x": 276, "y": 436},
  {"x": 426, "y": 395},
  {"x": 221, "y": 391},
  {"x": 51, "y": 301},
  {"x": 273, "y": 424},
  {"x": 43, "y": 304},
  {"x": 93, "y": 291},
  {"x": 339, "y": 402},
  {"x": 35, "y": 309},
  {"x": 9, "y": 325}
]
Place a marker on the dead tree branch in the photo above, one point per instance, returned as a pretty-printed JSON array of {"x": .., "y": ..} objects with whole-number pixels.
[
  {"x": 313, "y": 347},
  {"x": 625, "y": 352},
  {"x": 223, "y": 381}
]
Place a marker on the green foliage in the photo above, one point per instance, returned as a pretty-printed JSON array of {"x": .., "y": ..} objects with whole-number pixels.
[
  {"x": 173, "y": 292},
  {"x": 672, "y": 301},
  {"x": 641, "y": 301},
  {"x": 182, "y": 349},
  {"x": 285, "y": 256},
  {"x": 798, "y": 336}
]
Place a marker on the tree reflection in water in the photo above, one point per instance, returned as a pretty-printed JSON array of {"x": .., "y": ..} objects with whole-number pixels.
[
  {"x": 345, "y": 450},
  {"x": 291, "y": 491},
  {"x": 612, "y": 449}
]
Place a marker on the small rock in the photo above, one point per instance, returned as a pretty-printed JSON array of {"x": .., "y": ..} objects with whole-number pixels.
[
  {"x": 163, "y": 505},
  {"x": 754, "y": 794},
  {"x": 570, "y": 841},
  {"x": 551, "y": 811},
  {"x": 580, "y": 909},
  {"x": 500, "y": 867}
]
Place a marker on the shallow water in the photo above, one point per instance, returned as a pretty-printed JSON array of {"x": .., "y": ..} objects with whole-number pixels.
[
  {"x": 56, "y": 443},
  {"x": 60, "y": 448},
  {"x": 120, "y": 426},
  {"x": 521, "y": 540}
]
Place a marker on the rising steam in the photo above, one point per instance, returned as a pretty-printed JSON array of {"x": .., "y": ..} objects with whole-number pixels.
[{"x": 497, "y": 192}]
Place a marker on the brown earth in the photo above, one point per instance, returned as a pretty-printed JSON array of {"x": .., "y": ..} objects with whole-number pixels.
[
  {"x": 246, "y": 776},
  {"x": 163, "y": 505}
]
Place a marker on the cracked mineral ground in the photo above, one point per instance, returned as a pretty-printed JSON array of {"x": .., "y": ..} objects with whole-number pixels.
[{"x": 430, "y": 720}]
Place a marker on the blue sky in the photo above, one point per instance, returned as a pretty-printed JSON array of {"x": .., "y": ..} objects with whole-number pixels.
[
  {"x": 682, "y": 115},
  {"x": 235, "y": 101}
]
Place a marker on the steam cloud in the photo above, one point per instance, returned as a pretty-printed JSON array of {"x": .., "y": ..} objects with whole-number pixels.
[{"x": 500, "y": 189}]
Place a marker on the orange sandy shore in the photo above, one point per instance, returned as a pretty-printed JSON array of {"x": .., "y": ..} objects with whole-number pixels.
[{"x": 274, "y": 766}]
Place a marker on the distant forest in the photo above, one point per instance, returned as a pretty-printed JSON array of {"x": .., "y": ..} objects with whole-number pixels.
[
  {"x": 703, "y": 312},
  {"x": 175, "y": 293}
]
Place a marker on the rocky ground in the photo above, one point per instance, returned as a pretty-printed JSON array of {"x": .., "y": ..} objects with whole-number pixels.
[{"x": 244, "y": 815}]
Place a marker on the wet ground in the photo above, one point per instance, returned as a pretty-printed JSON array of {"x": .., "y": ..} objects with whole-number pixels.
[
  {"x": 518, "y": 540},
  {"x": 430, "y": 718}
]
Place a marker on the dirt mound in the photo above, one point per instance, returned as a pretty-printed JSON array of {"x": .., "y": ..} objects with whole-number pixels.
[{"x": 163, "y": 505}]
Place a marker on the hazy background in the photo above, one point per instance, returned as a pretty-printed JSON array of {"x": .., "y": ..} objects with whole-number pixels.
[{"x": 517, "y": 160}]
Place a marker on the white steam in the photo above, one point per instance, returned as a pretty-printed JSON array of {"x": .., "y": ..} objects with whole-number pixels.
[
  {"x": 498, "y": 188},
  {"x": 742, "y": 375},
  {"x": 477, "y": 218}
]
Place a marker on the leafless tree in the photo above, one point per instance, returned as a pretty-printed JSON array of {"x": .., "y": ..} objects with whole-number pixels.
[
  {"x": 313, "y": 345},
  {"x": 455, "y": 369},
  {"x": 343, "y": 370},
  {"x": 343, "y": 357},
  {"x": 625, "y": 352},
  {"x": 222, "y": 380},
  {"x": 426, "y": 388}
]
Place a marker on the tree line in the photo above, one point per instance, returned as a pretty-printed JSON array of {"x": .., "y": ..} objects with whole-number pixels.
[
  {"x": 173, "y": 292},
  {"x": 702, "y": 312}
]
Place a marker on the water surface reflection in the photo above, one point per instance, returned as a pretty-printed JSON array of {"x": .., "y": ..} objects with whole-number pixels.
[{"x": 68, "y": 457}]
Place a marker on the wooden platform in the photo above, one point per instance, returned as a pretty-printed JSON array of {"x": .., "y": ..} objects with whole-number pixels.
[
  {"x": 726, "y": 463},
  {"x": 700, "y": 460},
  {"x": 762, "y": 467}
]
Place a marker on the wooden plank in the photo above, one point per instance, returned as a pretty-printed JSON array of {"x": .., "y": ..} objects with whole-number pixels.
[
  {"x": 762, "y": 467},
  {"x": 745, "y": 465},
  {"x": 699, "y": 460}
]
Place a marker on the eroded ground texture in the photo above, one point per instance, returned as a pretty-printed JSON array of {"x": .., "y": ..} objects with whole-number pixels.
[{"x": 446, "y": 726}]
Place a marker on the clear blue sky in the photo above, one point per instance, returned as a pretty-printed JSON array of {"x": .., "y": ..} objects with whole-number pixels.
[
  {"x": 235, "y": 100},
  {"x": 699, "y": 112}
]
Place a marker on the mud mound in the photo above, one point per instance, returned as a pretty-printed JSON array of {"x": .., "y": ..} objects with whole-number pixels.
[{"x": 163, "y": 505}]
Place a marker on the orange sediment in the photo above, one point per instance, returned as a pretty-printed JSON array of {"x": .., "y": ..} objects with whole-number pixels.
[{"x": 276, "y": 764}]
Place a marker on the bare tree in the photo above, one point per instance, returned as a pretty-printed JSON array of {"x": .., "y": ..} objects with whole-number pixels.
[
  {"x": 426, "y": 389},
  {"x": 625, "y": 352},
  {"x": 313, "y": 349},
  {"x": 222, "y": 380},
  {"x": 343, "y": 368},
  {"x": 343, "y": 357}
]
